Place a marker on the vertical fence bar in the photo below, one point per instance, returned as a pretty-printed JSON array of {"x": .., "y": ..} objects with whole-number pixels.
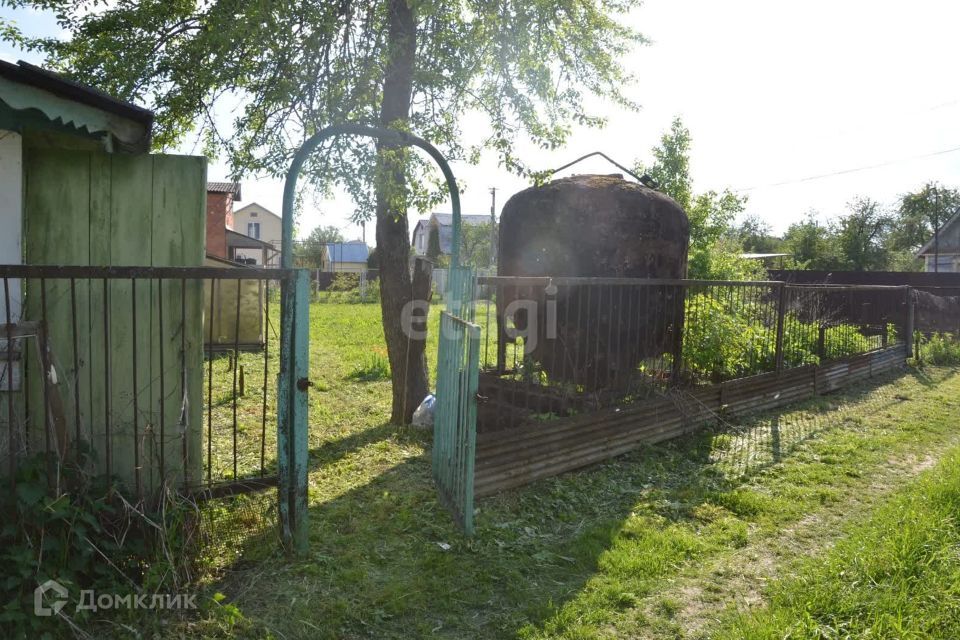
[
  {"x": 11, "y": 448},
  {"x": 266, "y": 355},
  {"x": 679, "y": 320},
  {"x": 163, "y": 395},
  {"x": 470, "y": 425},
  {"x": 184, "y": 448},
  {"x": 213, "y": 296},
  {"x": 911, "y": 319},
  {"x": 44, "y": 362},
  {"x": 106, "y": 378},
  {"x": 76, "y": 360},
  {"x": 136, "y": 391},
  {"x": 236, "y": 367},
  {"x": 781, "y": 312}
]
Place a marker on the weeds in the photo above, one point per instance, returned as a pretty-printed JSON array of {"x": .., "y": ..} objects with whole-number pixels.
[
  {"x": 940, "y": 349},
  {"x": 374, "y": 368},
  {"x": 85, "y": 536}
]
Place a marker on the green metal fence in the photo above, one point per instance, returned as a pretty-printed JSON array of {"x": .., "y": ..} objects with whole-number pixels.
[{"x": 455, "y": 419}]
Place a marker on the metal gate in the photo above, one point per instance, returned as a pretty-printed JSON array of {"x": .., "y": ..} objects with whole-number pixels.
[{"x": 455, "y": 421}]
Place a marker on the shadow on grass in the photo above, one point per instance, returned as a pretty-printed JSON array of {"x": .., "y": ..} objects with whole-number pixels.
[
  {"x": 332, "y": 451},
  {"x": 747, "y": 446},
  {"x": 386, "y": 561}
]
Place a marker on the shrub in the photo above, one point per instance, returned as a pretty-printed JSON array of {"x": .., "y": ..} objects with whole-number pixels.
[
  {"x": 345, "y": 282},
  {"x": 940, "y": 349},
  {"x": 85, "y": 537},
  {"x": 729, "y": 338}
]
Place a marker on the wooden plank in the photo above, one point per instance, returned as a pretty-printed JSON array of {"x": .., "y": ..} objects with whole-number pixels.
[
  {"x": 101, "y": 169},
  {"x": 178, "y": 230},
  {"x": 131, "y": 227},
  {"x": 57, "y": 231}
]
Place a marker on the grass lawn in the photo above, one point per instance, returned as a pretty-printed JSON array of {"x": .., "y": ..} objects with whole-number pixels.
[
  {"x": 656, "y": 543},
  {"x": 897, "y": 574}
]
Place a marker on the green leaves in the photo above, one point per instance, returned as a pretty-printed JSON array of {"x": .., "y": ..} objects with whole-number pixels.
[{"x": 251, "y": 80}]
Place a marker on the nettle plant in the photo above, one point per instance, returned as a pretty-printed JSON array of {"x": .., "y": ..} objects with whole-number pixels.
[{"x": 60, "y": 522}]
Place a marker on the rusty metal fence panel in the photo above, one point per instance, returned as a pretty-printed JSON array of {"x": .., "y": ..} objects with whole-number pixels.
[{"x": 559, "y": 347}]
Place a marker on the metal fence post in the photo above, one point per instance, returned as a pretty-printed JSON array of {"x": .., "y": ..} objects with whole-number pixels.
[
  {"x": 781, "y": 312},
  {"x": 292, "y": 410},
  {"x": 911, "y": 313},
  {"x": 679, "y": 319}
]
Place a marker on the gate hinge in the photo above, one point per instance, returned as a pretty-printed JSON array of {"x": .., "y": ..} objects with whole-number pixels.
[{"x": 304, "y": 383}]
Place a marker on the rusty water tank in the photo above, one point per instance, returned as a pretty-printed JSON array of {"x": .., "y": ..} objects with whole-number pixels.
[{"x": 596, "y": 226}]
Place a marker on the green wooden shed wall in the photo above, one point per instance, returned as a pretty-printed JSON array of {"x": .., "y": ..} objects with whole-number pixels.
[{"x": 92, "y": 208}]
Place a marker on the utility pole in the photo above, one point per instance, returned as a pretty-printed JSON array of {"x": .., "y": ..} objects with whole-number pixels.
[{"x": 493, "y": 226}]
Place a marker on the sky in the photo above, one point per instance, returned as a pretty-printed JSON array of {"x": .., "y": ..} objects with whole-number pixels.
[{"x": 799, "y": 106}]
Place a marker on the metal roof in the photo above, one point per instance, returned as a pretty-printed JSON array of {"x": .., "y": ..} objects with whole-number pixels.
[
  {"x": 239, "y": 241},
  {"x": 928, "y": 248},
  {"x": 446, "y": 219},
  {"x": 348, "y": 251},
  {"x": 225, "y": 187},
  {"x": 77, "y": 108}
]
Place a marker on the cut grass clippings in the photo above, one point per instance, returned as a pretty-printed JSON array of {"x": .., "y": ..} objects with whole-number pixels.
[
  {"x": 572, "y": 556},
  {"x": 897, "y": 575}
]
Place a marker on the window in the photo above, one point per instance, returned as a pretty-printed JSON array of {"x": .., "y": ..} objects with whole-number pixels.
[
  {"x": 253, "y": 230},
  {"x": 253, "y": 214}
]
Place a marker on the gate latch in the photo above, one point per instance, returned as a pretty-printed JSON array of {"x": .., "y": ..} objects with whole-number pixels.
[{"x": 304, "y": 383}]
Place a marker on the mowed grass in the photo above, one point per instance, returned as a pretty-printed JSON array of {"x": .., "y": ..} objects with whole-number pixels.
[
  {"x": 573, "y": 556},
  {"x": 897, "y": 575}
]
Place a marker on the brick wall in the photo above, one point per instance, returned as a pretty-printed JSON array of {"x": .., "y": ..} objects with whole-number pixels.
[{"x": 219, "y": 219}]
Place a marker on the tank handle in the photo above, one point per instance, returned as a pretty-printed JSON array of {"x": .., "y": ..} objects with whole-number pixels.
[{"x": 645, "y": 179}]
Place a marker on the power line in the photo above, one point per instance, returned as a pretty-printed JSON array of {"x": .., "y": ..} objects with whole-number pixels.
[{"x": 853, "y": 170}]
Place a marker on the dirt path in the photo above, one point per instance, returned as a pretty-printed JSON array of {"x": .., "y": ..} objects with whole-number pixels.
[{"x": 689, "y": 605}]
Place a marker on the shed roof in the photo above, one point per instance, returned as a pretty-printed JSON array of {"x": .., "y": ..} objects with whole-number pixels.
[
  {"x": 239, "y": 241},
  {"x": 928, "y": 248},
  {"x": 446, "y": 219},
  {"x": 356, "y": 251},
  {"x": 65, "y": 105},
  {"x": 225, "y": 187}
]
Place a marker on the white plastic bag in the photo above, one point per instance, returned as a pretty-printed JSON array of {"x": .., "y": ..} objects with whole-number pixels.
[{"x": 423, "y": 416}]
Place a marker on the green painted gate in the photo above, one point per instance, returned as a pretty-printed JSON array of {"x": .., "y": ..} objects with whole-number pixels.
[{"x": 455, "y": 418}]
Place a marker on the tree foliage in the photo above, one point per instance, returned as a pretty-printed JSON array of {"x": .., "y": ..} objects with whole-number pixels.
[
  {"x": 310, "y": 251},
  {"x": 860, "y": 236},
  {"x": 711, "y": 213},
  {"x": 286, "y": 69},
  {"x": 475, "y": 248}
]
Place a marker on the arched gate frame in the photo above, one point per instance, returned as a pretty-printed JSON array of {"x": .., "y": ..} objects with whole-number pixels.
[{"x": 454, "y": 442}]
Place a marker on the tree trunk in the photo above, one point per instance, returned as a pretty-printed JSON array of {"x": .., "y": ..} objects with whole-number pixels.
[{"x": 407, "y": 362}]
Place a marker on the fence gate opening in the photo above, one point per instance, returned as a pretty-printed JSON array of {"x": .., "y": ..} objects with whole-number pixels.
[{"x": 455, "y": 419}]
